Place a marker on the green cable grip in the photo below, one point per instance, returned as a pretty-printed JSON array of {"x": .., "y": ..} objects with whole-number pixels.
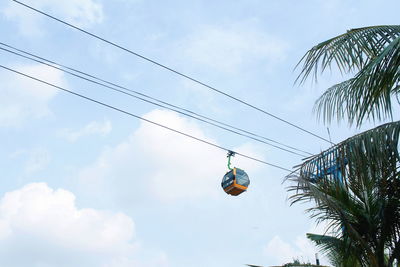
[{"x": 230, "y": 154}]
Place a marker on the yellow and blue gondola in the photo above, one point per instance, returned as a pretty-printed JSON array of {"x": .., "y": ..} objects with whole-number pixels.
[{"x": 235, "y": 182}]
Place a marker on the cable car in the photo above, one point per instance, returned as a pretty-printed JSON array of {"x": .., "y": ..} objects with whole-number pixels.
[{"x": 235, "y": 181}]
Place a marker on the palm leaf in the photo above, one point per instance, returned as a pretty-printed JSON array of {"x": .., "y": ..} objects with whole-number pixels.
[
  {"x": 350, "y": 51},
  {"x": 366, "y": 95},
  {"x": 364, "y": 204},
  {"x": 374, "y": 52},
  {"x": 337, "y": 101},
  {"x": 332, "y": 247}
]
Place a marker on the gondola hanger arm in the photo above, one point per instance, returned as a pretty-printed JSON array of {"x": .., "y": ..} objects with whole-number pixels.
[{"x": 230, "y": 154}]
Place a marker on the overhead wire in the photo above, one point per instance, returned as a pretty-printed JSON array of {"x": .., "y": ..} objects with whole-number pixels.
[
  {"x": 163, "y": 104},
  {"x": 172, "y": 70},
  {"x": 143, "y": 119}
]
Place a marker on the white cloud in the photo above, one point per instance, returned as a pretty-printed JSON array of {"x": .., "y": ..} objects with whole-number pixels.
[
  {"x": 170, "y": 166},
  {"x": 230, "y": 48},
  {"x": 84, "y": 13},
  {"x": 37, "y": 159},
  {"x": 282, "y": 252},
  {"x": 48, "y": 229},
  {"x": 299, "y": 248},
  {"x": 24, "y": 99},
  {"x": 93, "y": 128}
]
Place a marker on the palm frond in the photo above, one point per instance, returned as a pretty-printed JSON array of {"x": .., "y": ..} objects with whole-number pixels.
[
  {"x": 337, "y": 101},
  {"x": 355, "y": 185},
  {"x": 371, "y": 153},
  {"x": 333, "y": 247},
  {"x": 376, "y": 83},
  {"x": 369, "y": 93},
  {"x": 350, "y": 51}
]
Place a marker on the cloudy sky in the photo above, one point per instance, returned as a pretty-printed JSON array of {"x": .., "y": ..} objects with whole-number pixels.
[{"x": 86, "y": 186}]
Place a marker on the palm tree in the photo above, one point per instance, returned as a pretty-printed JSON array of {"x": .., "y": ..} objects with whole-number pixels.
[
  {"x": 334, "y": 247},
  {"x": 362, "y": 204},
  {"x": 355, "y": 184},
  {"x": 372, "y": 52}
]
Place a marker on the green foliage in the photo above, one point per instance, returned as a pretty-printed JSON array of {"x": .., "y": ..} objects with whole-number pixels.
[
  {"x": 374, "y": 54},
  {"x": 363, "y": 209},
  {"x": 297, "y": 263},
  {"x": 362, "y": 205},
  {"x": 333, "y": 248}
]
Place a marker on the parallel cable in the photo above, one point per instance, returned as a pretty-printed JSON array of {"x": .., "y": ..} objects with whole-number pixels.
[
  {"x": 171, "y": 70},
  {"x": 163, "y": 105},
  {"x": 143, "y": 119}
]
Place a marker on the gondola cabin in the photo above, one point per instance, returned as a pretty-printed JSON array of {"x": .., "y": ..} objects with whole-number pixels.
[{"x": 235, "y": 182}]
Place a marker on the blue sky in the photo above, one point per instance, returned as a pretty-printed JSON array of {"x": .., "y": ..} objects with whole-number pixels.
[{"x": 83, "y": 185}]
